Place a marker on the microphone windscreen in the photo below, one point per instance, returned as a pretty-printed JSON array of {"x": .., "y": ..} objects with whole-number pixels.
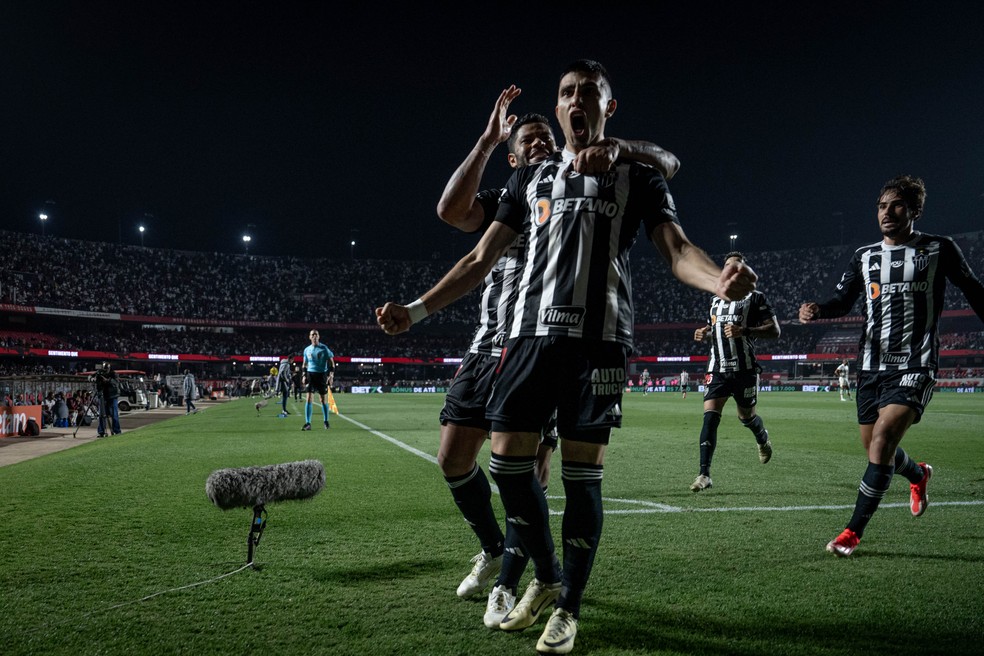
[{"x": 246, "y": 487}]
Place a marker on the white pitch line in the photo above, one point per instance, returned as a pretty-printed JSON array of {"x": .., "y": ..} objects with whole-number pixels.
[
  {"x": 651, "y": 507},
  {"x": 415, "y": 451},
  {"x": 669, "y": 509}
]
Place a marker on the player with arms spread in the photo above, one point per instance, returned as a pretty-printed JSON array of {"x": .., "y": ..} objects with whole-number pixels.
[
  {"x": 569, "y": 334},
  {"x": 464, "y": 426}
]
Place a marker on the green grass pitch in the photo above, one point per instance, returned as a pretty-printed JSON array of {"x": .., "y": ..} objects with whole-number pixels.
[{"x": 113, "y": 547}]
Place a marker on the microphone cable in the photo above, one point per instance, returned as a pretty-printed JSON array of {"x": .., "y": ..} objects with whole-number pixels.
[{"x": 51, "y": 625}]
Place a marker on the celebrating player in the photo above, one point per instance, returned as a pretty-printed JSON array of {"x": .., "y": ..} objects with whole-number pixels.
[
  {"x": 903, "y": 278},
  {"x": 572, "y": 322},
  {"x": 464, "y": 426},
  {"x": 732, "y": 371}
]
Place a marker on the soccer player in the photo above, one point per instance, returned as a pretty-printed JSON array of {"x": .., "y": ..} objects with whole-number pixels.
[
  {"x": 319, "y": 373},
  {"x": 464, "y": 426},
  {"x": 571, "y": 322},
  {"x": 644, "y": 379},
  {"x": 732, "y": 329},
  {"x": 684, "y": 383},
  {"x": 903, "y": 281},
  {"x": 843, "y": 372},
  {"x": 283, "y": 383}
]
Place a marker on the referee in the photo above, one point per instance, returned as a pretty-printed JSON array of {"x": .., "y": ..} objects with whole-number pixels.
[{"x": 319, "y": 373}]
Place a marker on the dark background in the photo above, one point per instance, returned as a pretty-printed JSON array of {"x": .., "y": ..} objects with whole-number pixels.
[{"x": 303, "y": 122}]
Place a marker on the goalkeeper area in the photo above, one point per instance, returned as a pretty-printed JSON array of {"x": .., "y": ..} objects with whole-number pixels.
[{"x": 113, "y": 547}]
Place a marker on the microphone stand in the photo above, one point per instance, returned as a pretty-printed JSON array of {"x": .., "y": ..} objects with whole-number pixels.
[{"x": 255, "y": 531}]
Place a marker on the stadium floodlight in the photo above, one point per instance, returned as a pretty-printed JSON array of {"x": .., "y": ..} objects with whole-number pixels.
[
  {"x": 141, "y": 229},
  {"x": 246, "y": 240},
  {"x": 44, "y": 219},
  {"x": 733, "y": 239}
]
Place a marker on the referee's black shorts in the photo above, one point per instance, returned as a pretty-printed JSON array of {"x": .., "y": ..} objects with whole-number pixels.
[{"x": 317, "y": 382}]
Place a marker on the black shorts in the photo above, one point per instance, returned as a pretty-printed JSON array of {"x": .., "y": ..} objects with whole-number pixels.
[
  {"x": 909, "y": 387},
  {"x": 583, "y": 379},
  {"x": 317, "y": 382},
  {"x": 465, "y": 402},
  {"x": 549, "y": 435},
  {"x": 742, "y": 386}
]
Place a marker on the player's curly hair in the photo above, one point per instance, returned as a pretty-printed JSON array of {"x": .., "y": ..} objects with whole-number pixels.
[
  {"x": 911, "y": 189},
  {"x": 525, "y": 119},
  {"x": 738, "y": 254}
]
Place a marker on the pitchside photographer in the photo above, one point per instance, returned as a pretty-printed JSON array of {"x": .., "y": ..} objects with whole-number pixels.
[{"x": 108, "y": 394}]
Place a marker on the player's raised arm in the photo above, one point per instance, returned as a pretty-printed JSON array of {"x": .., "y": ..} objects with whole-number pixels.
[
  {"x": 958, "y": 271},
  {"x": 846, "y": 292},
  {"x": 458, "y": 206},
  {"x": 691, "y": 265},
  {"x": 808, "y": 312},
  {"x": 395, "y": 318},
  {"x": 600, "y": 157}
]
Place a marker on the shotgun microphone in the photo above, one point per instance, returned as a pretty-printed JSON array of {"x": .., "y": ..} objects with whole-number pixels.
[{"x": 255, "y": 487}]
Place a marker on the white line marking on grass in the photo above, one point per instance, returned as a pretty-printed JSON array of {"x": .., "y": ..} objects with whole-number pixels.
[
  {"x": 651, "y": 507},
  {"x": 669, "y": 509},
  {"x": 415, "y": 451}
]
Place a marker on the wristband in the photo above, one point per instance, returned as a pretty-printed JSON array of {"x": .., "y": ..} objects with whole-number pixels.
[{"x": 417, "y": 311}]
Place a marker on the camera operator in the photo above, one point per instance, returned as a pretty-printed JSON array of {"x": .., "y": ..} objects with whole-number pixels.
[{"x": 108, "y": 393}]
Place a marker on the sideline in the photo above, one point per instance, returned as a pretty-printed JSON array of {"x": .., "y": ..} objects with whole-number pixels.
[{"x": 51, "y": 440}]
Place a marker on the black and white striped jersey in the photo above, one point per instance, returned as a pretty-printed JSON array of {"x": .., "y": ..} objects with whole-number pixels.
[
  {"x": 903, "y": 288},
  {"x": 575, "y": 278},
  {"x": 499, "y": 285},
  {"x": 736, "y": 354}
]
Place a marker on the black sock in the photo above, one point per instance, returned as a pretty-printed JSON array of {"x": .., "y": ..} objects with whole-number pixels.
[
  {"x": 583, "y": 518},
  {"x": 907, "y": 467},
  {"x": 873, "y": 487},
  {"x": 473, "y": 496},
  {"x": 514, "y": 560},
  {"x": 526, "y": 511},
  {"x": 708, "y": 440},
  {"x": 757, "y": 427}
]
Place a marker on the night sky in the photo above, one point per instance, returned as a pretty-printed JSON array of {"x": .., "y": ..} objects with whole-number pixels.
[{"x": 302, "y": 123}]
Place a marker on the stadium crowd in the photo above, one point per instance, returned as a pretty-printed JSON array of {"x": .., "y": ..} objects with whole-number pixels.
[{"x": 52, "y": 272}]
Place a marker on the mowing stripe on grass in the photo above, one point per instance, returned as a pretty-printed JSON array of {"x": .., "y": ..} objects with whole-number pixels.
[{"x": 650, "y": 507}]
